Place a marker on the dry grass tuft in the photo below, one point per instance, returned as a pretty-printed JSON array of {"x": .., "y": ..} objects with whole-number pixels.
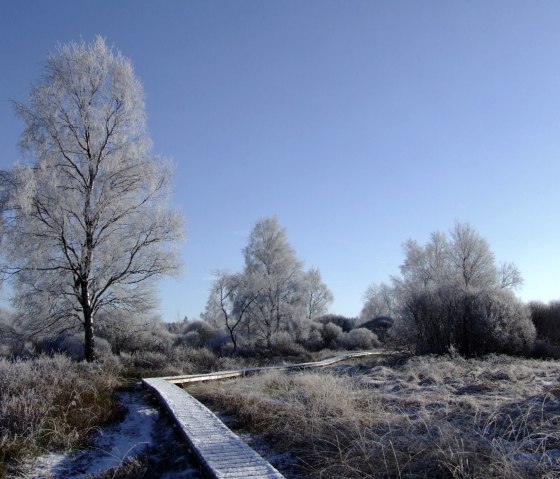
[
  {"x": 50, "y": 403},
  {"x": 429, "y": 417}
]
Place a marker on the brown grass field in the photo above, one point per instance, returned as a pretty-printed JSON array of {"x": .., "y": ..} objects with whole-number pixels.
[{"x": 422, "y": 417}]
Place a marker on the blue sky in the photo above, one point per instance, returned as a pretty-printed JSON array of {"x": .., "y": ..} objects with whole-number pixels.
[{"x": 360, "y": 124}]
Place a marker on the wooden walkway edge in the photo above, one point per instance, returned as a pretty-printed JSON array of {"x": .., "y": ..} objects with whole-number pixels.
[{"x": 223, "y": 454}]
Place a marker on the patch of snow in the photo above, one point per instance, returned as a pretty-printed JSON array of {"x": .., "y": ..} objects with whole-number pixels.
[{"x": 112, "y": 445}]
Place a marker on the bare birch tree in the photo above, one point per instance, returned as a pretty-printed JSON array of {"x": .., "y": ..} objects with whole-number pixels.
[
  {"x": 316, "y": 294},
  {"x": 232, "y": 298},
  {"x": 89, "y": 227}
]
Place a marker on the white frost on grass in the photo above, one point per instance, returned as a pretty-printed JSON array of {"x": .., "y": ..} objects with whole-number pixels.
[{"x": 112, "y": 445}]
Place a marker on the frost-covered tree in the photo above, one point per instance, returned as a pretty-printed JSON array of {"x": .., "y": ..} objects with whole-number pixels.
[
  {"x": 89, "y": 227},
  {"x": 230, "y": 298},
  {"x": 317, "y": 295},
  {"x": 379, "y": 300},
  {"x": 272, "y": 268},
  {"x": 273, "y": 298},
  {"x": 451, "y": 293}
]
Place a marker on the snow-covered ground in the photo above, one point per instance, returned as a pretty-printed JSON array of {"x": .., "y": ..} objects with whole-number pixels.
[{"x": 143, "y": 431}]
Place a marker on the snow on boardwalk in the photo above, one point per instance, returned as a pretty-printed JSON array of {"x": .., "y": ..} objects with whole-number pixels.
[
  {"x": 220, "y": 450},
  {"x": 222, "y": 453}
]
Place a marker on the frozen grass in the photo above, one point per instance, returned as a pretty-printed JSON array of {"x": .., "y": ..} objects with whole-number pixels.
[
  {"x": 189, "y": 360},
  {"x": 426, "y": 417},
  {"x": 144, "y": 444},
  {"x": 50, "y": 403},
  {"x": 56, "y": 404}
]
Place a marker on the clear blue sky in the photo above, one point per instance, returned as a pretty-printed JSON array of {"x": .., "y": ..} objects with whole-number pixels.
[{"x": 360, "y": 124}]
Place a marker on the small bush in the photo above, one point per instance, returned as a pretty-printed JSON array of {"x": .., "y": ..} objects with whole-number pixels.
[
  {"x": 331, "y": 333},
  {"x": 360, "y": 338},
  {"x": 284, "y": 344},
  {"x": 72, "y": 345},
  {"x": 546, "y": 318},
  {"x": 314, "y": 340},
  {"x": 345, "y": 323},
  {"x": 546, "y": 350},
  {"x": 200, "y": 333}
]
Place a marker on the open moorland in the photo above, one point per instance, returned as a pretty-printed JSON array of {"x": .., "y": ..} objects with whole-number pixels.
[
  {"x": 421, "y": 417},
  {"x": 330, "y": 164}
]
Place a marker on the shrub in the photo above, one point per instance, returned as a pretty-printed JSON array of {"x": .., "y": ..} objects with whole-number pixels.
[
  {"x": 380, "y": 326},
  {"x": 314, "y": 339},
  {"x": 360, "y": 338},
  {"x": 202, "y": 360},
  {"x": 345, "y": 323},
  {"x": 511, "y": 329},
  {"x": 331, "y": 332},
  {"x": 546, "y": 318},
  {"x": 151, "y": 364},
  {"x": 283, "y": 343},
  {"x": 472, "y": 322},
  {"x": 72, "y": 345},
  {"x": 546, "y": 350},
  {"x": 130, "y": 333},
  {"x": 200, "y": 333}
]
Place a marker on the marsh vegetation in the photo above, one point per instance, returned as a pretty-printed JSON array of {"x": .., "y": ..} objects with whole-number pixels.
[{"x": 422, "y": 417}]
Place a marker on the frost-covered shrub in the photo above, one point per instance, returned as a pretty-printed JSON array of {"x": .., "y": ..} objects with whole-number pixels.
[
  {"x": 283, "y": 343},
  {"x": 68, "y": 344},
  {"x": 149, "y": 361},
  {"x": 359, "y": 338},
  {"x": 193, "y": 338},
  {"x": 472, "y": 322},
  {"x": 12, "y": 341},
  {"x": 200, "y": 333},
  {"x": 72, "y": 345},
  {"x": 546, "y": 318},
  {"x": 200, "y": 359},
  {"x": 546, "y": 350},
  {"x": 131, "y": 333},
  {"x": 510, "y": 325},
  {"x": 344, "y": 322},
  {"x": 181, "y": 360},
  {"x": 314, "y": 340},
  {"x": 331, "y": 333},
  {"x": 452, "y": 295}
]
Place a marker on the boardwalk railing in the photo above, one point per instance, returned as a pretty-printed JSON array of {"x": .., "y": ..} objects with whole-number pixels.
[{"x": 219, "y": 450}]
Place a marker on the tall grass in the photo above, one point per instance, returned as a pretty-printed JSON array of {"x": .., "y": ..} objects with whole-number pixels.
[
  {"x": 50, "y": 403},
  {"x": 427, "y": 418}
]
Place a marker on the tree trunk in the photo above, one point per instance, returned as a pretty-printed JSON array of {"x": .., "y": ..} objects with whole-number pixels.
[
  {"x": 89, "y": 344},
  {"x": 89, "y": 339},
  {"x": 233, "y": 341}
]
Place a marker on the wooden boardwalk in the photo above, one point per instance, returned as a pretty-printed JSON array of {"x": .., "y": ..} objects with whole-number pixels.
[{"x": 221, "y": 452}]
